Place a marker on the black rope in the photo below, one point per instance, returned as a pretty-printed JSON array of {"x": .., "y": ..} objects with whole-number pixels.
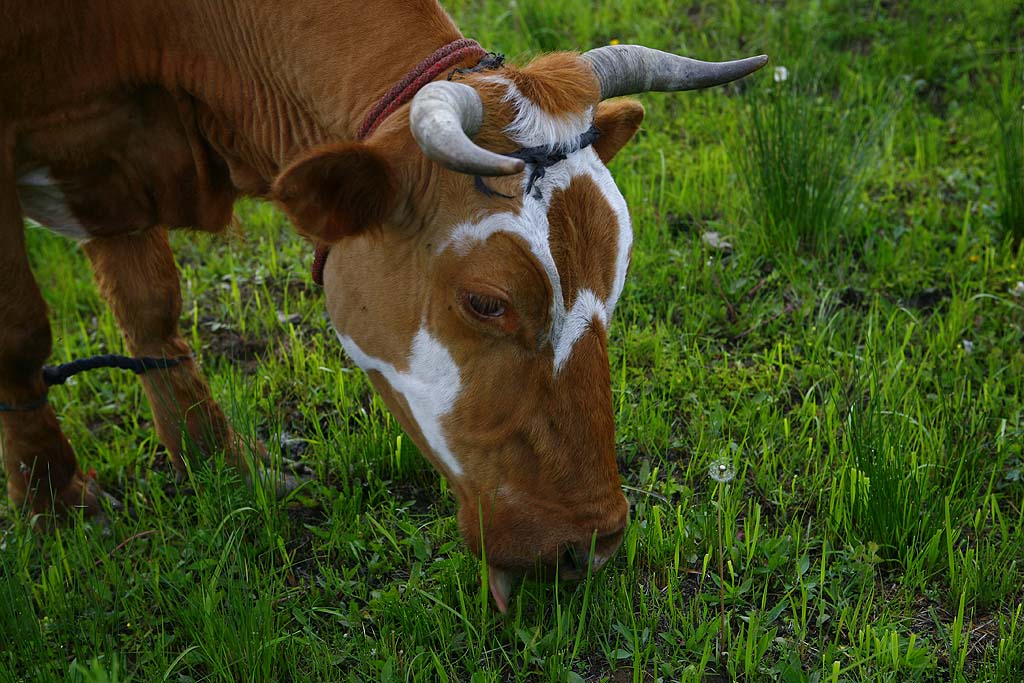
[
  {"x": 54, "y": 375},
  {"x": 539, "y": 160},
  {"x": 490, "y": 62},
  {"x": 24, "y": 407}
]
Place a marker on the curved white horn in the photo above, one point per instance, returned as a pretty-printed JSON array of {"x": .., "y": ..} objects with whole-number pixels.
[
  {"x": 632, "y": 69},
  {"x": 443, "y": 116}
]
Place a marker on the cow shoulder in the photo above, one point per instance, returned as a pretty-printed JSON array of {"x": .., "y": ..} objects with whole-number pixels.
[{"x": 124, "y": 163}]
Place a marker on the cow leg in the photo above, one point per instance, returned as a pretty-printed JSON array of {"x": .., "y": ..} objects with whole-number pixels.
[
  {"x": 137, "y": 276},
  {"x": 42, "y": 473}
]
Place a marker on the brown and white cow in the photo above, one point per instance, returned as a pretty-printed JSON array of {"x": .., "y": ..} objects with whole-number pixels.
[{"x": 479, "y": 309}]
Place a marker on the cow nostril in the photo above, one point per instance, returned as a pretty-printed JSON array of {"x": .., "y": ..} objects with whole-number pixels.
[
  {"x": 578, "y": 560},
  {"x": 605, "y": 547}
]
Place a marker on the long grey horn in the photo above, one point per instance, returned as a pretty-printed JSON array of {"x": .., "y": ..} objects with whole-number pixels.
[
  {"x": 632, "y": 69},
  {"x": 443, "y": 117}
]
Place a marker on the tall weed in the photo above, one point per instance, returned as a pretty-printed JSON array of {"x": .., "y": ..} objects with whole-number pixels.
[
  {"x": 804, "y": 159},
  {"x": 888, "y": 494},
  {"x": 1009, "y": 111}
]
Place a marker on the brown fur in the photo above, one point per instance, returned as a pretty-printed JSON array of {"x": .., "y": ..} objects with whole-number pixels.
[
  {"x": 538, "y": 451},
  {"x": 559, "y": 83},
  {"x": 618, "y": 121},
  {"x": 236, "y": 90},
  {"x": 131, "y": 161},
  {"x": 39, "y": 463},
  {"x": 584, "y": 240},
  {"x": 337, "y": 191},
  {"x": 137, "y": 277},
  {"x": 158, "y": 114}
]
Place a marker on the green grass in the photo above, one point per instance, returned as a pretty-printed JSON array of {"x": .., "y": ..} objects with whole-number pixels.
[
  {"x": 867, "y": 392},
  {"x": 804, "y": 159},
  {"x": 1009, "y": 108}
]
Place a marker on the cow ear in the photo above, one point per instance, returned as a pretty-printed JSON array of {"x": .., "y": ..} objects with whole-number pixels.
[
  {"x": 618, "y": 121},
  {"x": 336, "y": 191}
]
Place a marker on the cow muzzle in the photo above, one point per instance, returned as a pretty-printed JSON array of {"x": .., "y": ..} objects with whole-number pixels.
[
  {"x": 590, "y": 554},
  {"x": 525, "y": 538}
]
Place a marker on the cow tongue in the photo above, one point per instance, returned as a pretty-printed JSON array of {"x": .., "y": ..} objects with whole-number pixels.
[{"x": 501, "y": 586}]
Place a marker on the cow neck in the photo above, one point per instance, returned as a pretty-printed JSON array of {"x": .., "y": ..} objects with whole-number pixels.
[{"x": 442, "y": 59}]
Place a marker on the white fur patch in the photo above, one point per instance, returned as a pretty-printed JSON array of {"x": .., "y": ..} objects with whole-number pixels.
[
  {"x": 430, "y": 387},
  {"x": 531, "y": 224},
  {"x": 44, "y": 204},
  {"x": 585, "y": 310},
  {"x": 534, "y": 127}
]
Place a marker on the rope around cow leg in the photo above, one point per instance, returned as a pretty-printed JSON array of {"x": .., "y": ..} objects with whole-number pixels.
[
  {"x": 54, "y": 375},
  {"x": 23, "y": 407}
]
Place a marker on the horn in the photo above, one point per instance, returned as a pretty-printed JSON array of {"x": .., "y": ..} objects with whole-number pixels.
[
  {"x": 443, "y": 117},
  {"x": 632, "y": 69}
]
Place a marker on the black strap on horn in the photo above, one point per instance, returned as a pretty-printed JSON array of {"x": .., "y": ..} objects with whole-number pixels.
[{"x": 539, "y": 160}]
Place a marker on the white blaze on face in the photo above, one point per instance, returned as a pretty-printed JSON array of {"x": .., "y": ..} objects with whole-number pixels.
[
  {"x": 430, "y": 387},
  {"x": 533, "y": 226}
]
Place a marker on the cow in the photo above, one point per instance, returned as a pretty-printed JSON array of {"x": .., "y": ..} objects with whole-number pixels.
[{"x": 473, "y": 244}]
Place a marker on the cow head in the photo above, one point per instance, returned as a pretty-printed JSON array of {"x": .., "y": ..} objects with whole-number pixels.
[{"x": 475, "y": 280}]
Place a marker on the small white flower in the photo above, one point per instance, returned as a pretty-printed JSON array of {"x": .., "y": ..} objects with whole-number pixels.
[
  {"x": 716, "y": 241},
  {"x": 968, "y": 345},
  {"x": 721, "y": 471},
  {"x": 781, "y": 74},
  {"x": 1018, "y": 289}
]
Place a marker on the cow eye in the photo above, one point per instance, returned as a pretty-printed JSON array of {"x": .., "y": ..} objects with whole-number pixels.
[{"x": 485, "y": 306}]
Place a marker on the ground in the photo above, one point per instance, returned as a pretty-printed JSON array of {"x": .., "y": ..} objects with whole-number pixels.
[{"x": 853, "y": 357}]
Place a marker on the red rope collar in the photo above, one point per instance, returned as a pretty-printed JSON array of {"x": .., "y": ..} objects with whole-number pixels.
[{"x": 401, "y": 93}]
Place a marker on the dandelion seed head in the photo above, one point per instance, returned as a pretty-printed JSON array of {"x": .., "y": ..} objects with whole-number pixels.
[
  {"x": 781, "y": 74},
  {"x": 721, "y": 472}
]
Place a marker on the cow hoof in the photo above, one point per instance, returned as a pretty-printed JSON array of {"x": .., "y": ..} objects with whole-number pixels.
[
  {"x": 97, "y": 514},
  {"x": 82, "y": 495},
  {"x": 89, "y": 497}
]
